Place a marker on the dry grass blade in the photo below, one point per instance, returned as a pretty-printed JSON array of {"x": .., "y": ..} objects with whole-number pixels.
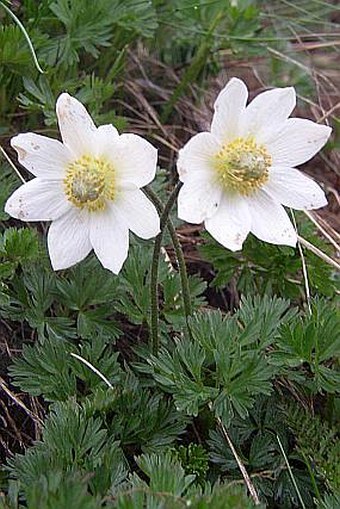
[
  {"x": 311, "y": 216},
  {"x": 304, "y": 268},
  {"x": 10, "y": 162},
  {"x": 93, "y": 368},
  {"x": 242, "y": 468},
  {"x": 18, "y": 402},
  {"x": 319, "y": 253},
  {"x": 240, "y": 465}
]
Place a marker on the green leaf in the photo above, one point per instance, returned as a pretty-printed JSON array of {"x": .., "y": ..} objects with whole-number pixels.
[
  {"x": 57, "y": 490},
  {"x": 165, "y": 473},
  {"x": 19, "y": 245},
  {"x": 71, "y": 442},
  {"x": 45, "y": 369},
  {"x": 329, "y": 501},
  {"x": 312, "y": 341},
  {"x": 97, "y": 323},
  {"x": 86, "y": 285}
]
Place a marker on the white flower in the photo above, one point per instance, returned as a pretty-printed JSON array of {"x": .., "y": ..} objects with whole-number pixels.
[
  {"x": 88, "y": 186},
  {"x": 237, "y": 176}
]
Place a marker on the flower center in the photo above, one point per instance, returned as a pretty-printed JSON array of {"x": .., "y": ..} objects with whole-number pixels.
[
  {"x": 242, "y": 166},
  {"x": 90, "y": 182}
]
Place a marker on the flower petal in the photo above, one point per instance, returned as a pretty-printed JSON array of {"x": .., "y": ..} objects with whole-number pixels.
[
  {"x": 38, "y": 200},
  {"x": 265, "y": 114},
  {"x": 195, "y": 157},
  {"x": 293, "y": 189},
  {"x": 68, "y": 239},
  {"x": 138, "y": 213},
  {"x": 44, "y": 157},
  {"x": 106, "y": 137},
  {"x": 229, "y": 106},
  {"x": 297, "y": 142},
  {"x": 110, "y": 239},
  {"x": 231, "y": 223},
  {"x": 198, "y": 200},
  {"x": 270, "y": 221},
  {"x": 134, "y": 159},
  {"x": 76, "y": 126}
]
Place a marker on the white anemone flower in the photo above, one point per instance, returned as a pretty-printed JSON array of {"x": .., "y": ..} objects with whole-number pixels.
[
  {"x": 237, "y": 176},
  {"x": 88, "y": 186}
]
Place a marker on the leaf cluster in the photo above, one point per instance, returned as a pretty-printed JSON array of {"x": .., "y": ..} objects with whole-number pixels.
[
  {"x": 263, "y": 268},
  {"x": 185, "y": 26},
  {"x": 313, "y": 344},
  {"x": 257, "y": 439},
  {"x": 223, "y": 362},
  {"x": 68, "y": 43},
  {"x": 168, "y": 487},
  {"x": 225, "y": 366},
  {"x": 317, "y": 442}
]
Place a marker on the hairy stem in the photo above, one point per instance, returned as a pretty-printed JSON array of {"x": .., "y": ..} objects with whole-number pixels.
[
  {"x": 165, "y": 221},
  {"x": 154, "y": 306},
  {"x": 182, "y": 270}
]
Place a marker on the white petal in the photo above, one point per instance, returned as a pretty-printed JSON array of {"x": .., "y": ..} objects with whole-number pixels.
[
  {"x": 231, "y": 223},
  {"x": 265, "y": 114},
  {"x": 38, "y": 200},
  {"x": 270, "y": 221},
  {"x": 198, "y": 200},
  {"x": 110, "y": 239},
  {"x": 68, "y": 239},
  {"x": 134, "y": 159},
  {"x": 105, "y": 139},
  {"x": 229, "y": 105},
  {"x": 44, "y": 157},
  {"x": 293, "y": 189},
  {"x": 196, "y": 155},
  {"x": 138, "y": 213},
  {"x": 297, "y": 142},
  {"x": 76, "y": 126}
]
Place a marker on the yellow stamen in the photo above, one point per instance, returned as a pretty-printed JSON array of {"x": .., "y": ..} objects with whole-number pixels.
[
  {"x": 90, "y": 182},
  {"x": 242, "y": 166}
]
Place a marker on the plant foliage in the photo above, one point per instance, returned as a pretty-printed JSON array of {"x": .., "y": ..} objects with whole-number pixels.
[{"x": 90, "y": 416}]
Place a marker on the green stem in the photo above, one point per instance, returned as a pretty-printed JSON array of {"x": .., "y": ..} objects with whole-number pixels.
[
  {"x": 182, "y": 270},
  {"x": 165, "y": 221},
  {"x": 178, "y": 249},
  {"x": 154, "y": 307}
]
